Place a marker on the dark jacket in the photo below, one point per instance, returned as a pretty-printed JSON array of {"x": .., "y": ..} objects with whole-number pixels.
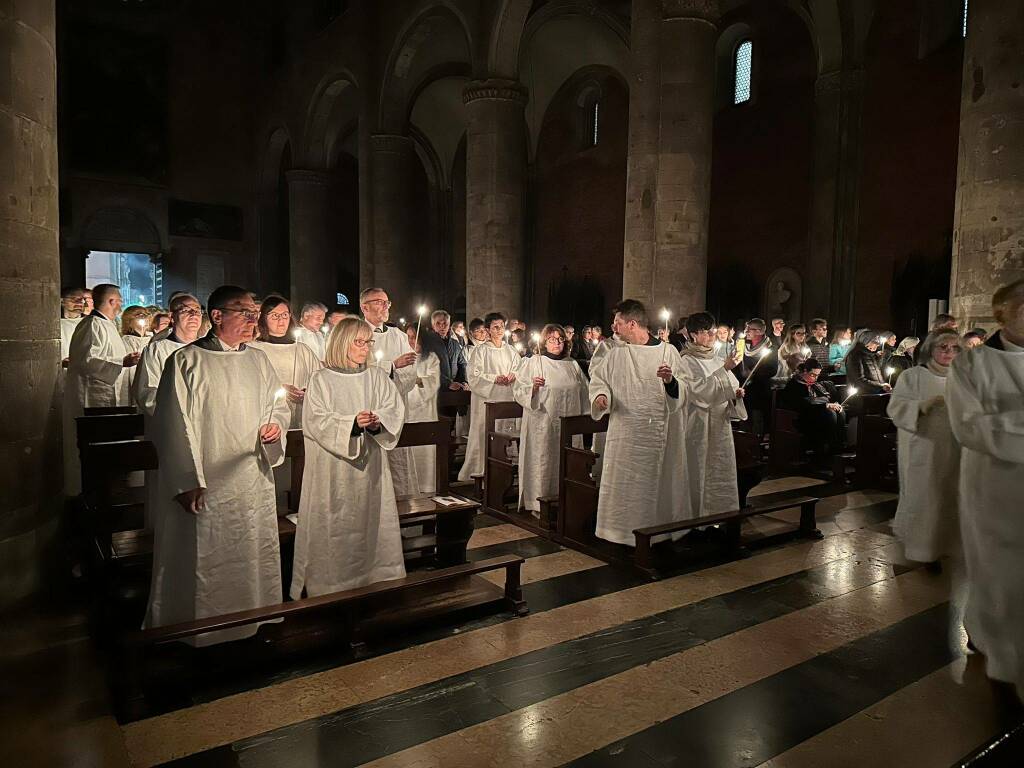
[
  {"x": 864, "y": 372},
  {"x": 449, "y": 353},
  {"x": 800, "y": 397}
]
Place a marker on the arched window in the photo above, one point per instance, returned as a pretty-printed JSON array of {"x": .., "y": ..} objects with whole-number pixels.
[
  {"x": 588, "y": 101},
  {"x": 744, "y": 57},
  {"x": 595, "y": 123}
]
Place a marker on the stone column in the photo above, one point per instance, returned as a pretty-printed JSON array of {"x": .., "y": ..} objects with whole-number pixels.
[
  {"x": 395, "y": 258},
  {"x": 312, "y": 236},
  {"x": 831, "y": 266},
  {"x": 30, "y": 446},
  {"x": 668, "y": 186},
  {"x": 988, "y": 225},
  {"x": 495, "y": 170}
]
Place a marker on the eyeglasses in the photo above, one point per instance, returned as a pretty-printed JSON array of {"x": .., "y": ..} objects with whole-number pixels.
[
  {"x": 384, "y": 302},
  {"x": 189, "y": 312},
  {"x": 279, "y": 316},
  {"x": 948, "y": 347},
  {"x": 362, "y": 343},
  {"x": 556, "y": 339},
  {"x": 251, "y": 315}
]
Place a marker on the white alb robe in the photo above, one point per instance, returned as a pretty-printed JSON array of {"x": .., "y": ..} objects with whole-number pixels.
[
  {"x": 67, "y": 330},
  {"x": 985, "y": 400},
  {"x": 209, "y": 408},
  {"x": 133, "y": 343},
  {"x": 348, "y": 534},
  {"x": 294, "y": 364},
  {"x": 642, "y": 475},
  {"x": 392, "y": 343},
  {"x": 96, "y": 379},
  {"x": 710, "y": 408},
  {"x": 929, "y": 467},
  {"x": 564, "y": 394},
  {"x": 484, "y": 366},
  {"x": 312, "y": 339},
  {"x": 422, "y": 406}
]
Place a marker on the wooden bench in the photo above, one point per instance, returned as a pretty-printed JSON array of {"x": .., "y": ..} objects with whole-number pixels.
[
  {"x": 876, "y": 465},
  {"x": 361, "y": 613},
  {"x": 786, "y": 447},
  {"x": 577, "y": 489},
  {"x": 644, "y": 557}
]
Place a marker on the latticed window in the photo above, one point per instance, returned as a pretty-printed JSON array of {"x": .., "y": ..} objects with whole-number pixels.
[
  {"x": 744, "y": 57},
  {"x": 595, "y": 122},
  {"x": 965, "y": 18}
]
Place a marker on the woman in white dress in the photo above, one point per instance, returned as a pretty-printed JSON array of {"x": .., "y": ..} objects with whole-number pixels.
[
  {"x": 348, "y": 534},
  {"x": 491, "y": 371},
  {"x": 549, "y": 385},
  {"x": 929, "y": 455},
  {"x": 135, "y": 335},
  {"x": 294, "y": 362},
  {"x": 421, "y": 405}
]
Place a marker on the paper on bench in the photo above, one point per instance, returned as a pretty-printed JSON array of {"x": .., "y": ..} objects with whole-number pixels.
[{"x": 446, "y": 501}]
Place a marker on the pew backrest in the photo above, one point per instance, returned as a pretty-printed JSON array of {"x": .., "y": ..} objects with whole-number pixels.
[{"x": 107, "y": 428}]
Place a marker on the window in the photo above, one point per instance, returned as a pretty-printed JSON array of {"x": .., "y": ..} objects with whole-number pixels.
[
  {"x": 135, "y": 273},
  {"x": 341, "y": 299},
  {"x": 744, "y": 56},
  {"x": 965, "y": 19},
  {"x": 595, "y": 117}
]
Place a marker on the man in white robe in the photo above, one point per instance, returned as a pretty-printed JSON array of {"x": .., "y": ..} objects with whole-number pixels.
[
  {"x": 71, "y": 304},
  {"x": 985, "y": 400},
  {"x": 634, "y": 380},
  {"x": 310, "y": 330},
  {"x": 219, "y": 428},
  {"x": 714, "y": 400},
  {"x": 97, "y": 360},
  {"x": 393, "y": 353}
]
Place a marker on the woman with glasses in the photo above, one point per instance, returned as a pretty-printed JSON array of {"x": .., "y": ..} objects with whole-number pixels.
[
  {"x": 135, "y": 335},
  {"x": 348, "y": 534},
  {"x": 929, "y": 455},
  {"x": 293, "y": 361},
  {"x": 548, "y": 385}
]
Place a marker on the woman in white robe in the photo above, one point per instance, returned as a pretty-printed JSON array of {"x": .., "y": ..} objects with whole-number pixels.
[
  {"x": 293, "y": 361},
  {"x": 549, "y": 385},
  {"x": 135, "y": 336},
  {"x": 713, "y": 402},
  {"x": 985, "y": 399},
  {"x": 491, "y": 371},
  {"x": 348, "y": 533},
  {"x": 421, "y": 405},
  {"x": 928, "y": 454}
]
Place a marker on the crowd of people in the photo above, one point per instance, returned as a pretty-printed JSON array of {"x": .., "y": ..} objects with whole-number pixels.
[{"x": 220, "y": 387}]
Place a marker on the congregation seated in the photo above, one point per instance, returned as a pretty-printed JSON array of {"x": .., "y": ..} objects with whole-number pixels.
[
  {"x": 821, "y": 419},
  {"x": 794, "y": 350},
  {"x": 903, "y": 359},
  {"x": 817, "y": 343},
  {"x": 837, "y": 349},
  {"x": 863, "y": 370}
]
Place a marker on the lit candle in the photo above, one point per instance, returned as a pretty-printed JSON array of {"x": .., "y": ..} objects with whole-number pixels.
[
  {"x": 889, "y": 372},
  {"x": 420, "y": 312},
  {"x": 741, "y": 344},
  {"x": 665, "y": 315},
  {"x": 378, "y": 356},
  {"x": 508, "y": 334},
  {"x": 296, "y": 334},
  {"x": 536, "y": 343},
  {"x": 764, "y": 353},
  {"x": 852, "y": 391}
]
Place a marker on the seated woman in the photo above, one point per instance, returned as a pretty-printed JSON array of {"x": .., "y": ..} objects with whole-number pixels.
[
  {"x": 862, "y": 367},
  {"x": 794, "y": 350},
  {"x": 837, "y": 350},
  {"x": 548, "y": 386},
  {"x": 348, "y": 534},
  {"x": 820, "y": 417},
  {"x": 929, "y": 455},
  {"x": 903, "y": 359}
]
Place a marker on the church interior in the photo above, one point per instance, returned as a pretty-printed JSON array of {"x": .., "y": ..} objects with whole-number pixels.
[{"x": 855, "y": 163}]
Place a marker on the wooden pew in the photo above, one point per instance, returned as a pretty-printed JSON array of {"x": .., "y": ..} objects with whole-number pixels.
[
  {"x": 577, "y": 490},
  {"x": 452, "y": 403},
  {"x": 107, "y": 428},
  {"x": 876, "y": 465},
  {"x": 786, "y": 447},
  {"x": 113, "y": 410},
  {"x": 500, "y": 486}
]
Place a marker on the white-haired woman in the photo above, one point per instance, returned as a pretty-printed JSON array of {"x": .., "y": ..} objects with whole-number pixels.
[
  {"x": 929, "y": 456},
  {"x": 903, "y": 359},
  {"x": 348, "y": 534}
]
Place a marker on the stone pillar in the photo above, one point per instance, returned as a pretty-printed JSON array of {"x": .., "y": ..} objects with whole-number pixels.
[
  {"x": 988, "y": 225},
  {"x": 312, "y": 236},
  {"x": 395, "y": 257},
  {"x": 831, "y": 266},
  {"x": 30, "y": 446},
  {"x": 495, "y": 174},
  {"x": 668, "y": 184}
]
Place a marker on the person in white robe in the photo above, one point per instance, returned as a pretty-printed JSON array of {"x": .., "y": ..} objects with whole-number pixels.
[
  {"x": 186, "y": 317},
  {"x": 71, "y": 303},
  {"x": 393, "y": 353},
  {"x": 635, "y": 380},
  {"x": 491, "y": 370},
  {"x": 928, "y": 454},
  {"x": 548, "y": 385},
  {"x": 310, "y": 328},
  {"x": 714, "y": 400},
  {"x": 135, "y": 335},
  {"x": 219, "y": 428},
  {"x": 421, "y": 405},
  {"x": 985, "y": 400},
  {"x": 97, "y": 361},
  {"x": 348, "y": 533}
]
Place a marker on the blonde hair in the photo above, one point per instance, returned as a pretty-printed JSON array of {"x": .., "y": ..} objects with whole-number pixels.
[
  {"x": 341, "y": 338},
  {"x": 130, "y": 321}
]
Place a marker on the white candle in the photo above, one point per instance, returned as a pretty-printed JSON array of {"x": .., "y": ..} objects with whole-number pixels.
[
  {"x": 852, "y": 391},
  {"x": 378, "y": 356},
  {"x": 295, "y": 354},
  {"x": 420, "y": 312},
  {"x": 665, "y": 315},
  {"x": 764, "y": 353},
  {"x": 889, "y": 372}
]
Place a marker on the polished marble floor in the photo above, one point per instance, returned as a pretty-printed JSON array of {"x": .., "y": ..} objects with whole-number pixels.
[{"x": 827, "y": 653}]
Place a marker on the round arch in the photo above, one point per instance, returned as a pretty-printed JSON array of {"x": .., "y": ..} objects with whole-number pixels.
[
  {"x": 120, "y": 228},
  {"x": 333, "y": 113}
]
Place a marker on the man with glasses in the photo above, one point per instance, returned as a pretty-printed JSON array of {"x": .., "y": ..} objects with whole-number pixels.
[
  {"x": 219, "y": 427},
  {"x": 759, "y": 390},
  {"x": 818, "y": 343}
]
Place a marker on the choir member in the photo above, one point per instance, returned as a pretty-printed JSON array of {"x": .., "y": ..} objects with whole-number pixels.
[
  {"x": 821, "y": 419},
  {"x": 928, "y": 454},
  {"x": 421, "y": 405},
  {"x": 348, "y": 534},
  {"x": 863, "y": 370},
  {"x": 714, "y": 400},
  {"x": 135, "y": 335},
  {"x": 335, "y": 316},
  {"x": 477, "y": 332},
  {"x": 943, "y": 321},
  {"x": 492, "y": 372},
  {"x": 311, "y": 321},
  {"x": 985, "y": 400},
  {"x": 758, "y": 391},
  {"x": 97, "y": 362},
  {"x": 548, "y": 385},
  {"x": 219, "y": 429},
  {"x": 632, "y": 379}
]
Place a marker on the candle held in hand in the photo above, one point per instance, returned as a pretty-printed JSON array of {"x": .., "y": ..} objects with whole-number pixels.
[
  {"x": 764, "y": 353},
  {"x": 420, "y": 313}
]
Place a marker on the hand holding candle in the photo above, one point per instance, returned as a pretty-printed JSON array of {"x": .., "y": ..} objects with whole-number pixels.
[
  {"x": 765, "y": 351},
  {"x": 269, "y": 432},
  {"x": 889, "y": 372},
  {"x": 420, "y": 313}
]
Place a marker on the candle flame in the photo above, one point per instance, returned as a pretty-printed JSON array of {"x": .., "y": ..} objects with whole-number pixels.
[
  {"x": 507, "y": 333},
  {"x": 743, "y": 334},
  {"x": 765, "y": 352},
  {"x": 535, "y": 336},
  {"x": 279, "y": 394},
  {"x": 378, "y": 355},
  {"x": 422, "y": 310},
  {"x": 401, "y": 321},
  {"x": 519, "y": 347},
  {"x": 296, "y": 334},
  {"x": 665, "y": 314},
  {"x": 852, "y": 391},
  {"x": 890, "y": 371}
]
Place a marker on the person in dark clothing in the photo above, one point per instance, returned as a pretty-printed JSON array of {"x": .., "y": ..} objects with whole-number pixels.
[
  {"x": 759, "y": 390},
  {"x": 863, "y": 369},
  {"x": 817, "y": 342},
  {"x": 442, "y": 342},
  {"x": 820, "y": 417}
]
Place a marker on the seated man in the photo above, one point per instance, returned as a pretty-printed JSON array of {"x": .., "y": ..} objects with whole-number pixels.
[{"x": 821, "y": 419}]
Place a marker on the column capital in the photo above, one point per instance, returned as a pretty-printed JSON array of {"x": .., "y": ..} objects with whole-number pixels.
[
  {"x": 687, "y": 10},
  {"x": 313, "y": 177},
  {"x": 838, "y": 80},
  {"x": 390, "y": 142},
  {"x": 495, "y": 89}
]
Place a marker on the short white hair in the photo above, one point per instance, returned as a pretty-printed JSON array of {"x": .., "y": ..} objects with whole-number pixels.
[{"x": 312, "y": 306}]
